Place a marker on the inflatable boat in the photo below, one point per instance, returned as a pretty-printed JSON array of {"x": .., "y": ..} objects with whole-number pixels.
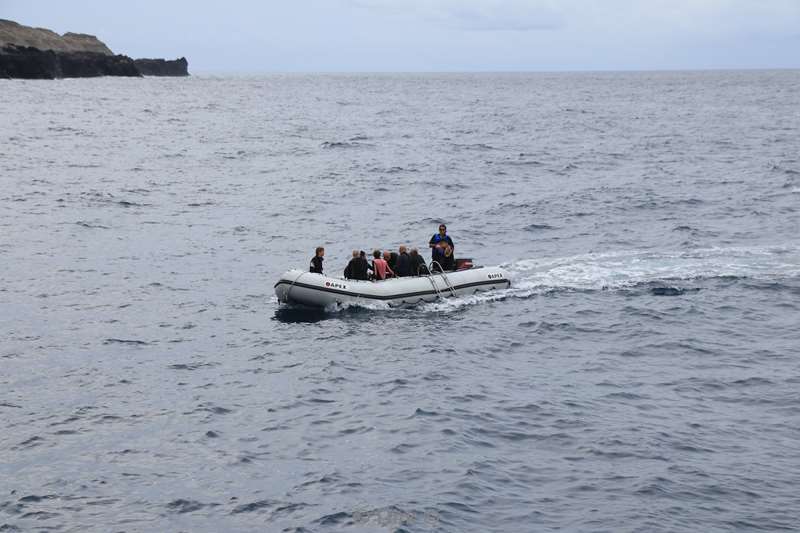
[{"x": 319, "y": 290}]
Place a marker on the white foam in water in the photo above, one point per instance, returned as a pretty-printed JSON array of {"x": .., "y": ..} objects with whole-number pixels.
[
  {"x": 371, "y": 305},
  {"x": 624, "y": 269}
]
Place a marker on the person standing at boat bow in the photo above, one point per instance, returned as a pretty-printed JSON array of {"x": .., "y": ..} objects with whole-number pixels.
[
  {"x": 316, "y": 261},
  {"x": 439, "y": 237}
]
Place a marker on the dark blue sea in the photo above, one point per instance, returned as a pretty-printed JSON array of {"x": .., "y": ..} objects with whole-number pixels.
[{"x": 642, "y": 373}]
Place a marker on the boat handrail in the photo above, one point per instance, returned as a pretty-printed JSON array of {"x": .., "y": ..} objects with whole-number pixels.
[
  {"x": 444, "y": 276},
  {"x": 435, "y": 288},
  {"x": 449, "y": 285}
]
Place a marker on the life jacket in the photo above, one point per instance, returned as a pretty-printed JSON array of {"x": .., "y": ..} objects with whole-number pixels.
[{"x": 438, "y": 237}]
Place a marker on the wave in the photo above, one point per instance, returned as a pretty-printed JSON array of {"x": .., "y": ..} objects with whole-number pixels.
[
  {"x": 91, "y": 225},
  {"x": 481, "y": 147},
  {"x": 329, "y": 145},
  {"x": 537, "y": 227}
]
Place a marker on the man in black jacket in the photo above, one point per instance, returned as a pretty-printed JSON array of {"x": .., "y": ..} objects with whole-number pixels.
[
  {"x": 357, "y": 267},
  {"x": 403, "y": 264}
]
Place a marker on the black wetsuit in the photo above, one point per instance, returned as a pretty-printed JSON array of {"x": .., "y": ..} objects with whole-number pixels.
[
  {"x": 402, "y": 266},
  {"x": 418, "y": 266},
  {"x": 357, "y": 269},
  {"x": 316, "y": 265}
]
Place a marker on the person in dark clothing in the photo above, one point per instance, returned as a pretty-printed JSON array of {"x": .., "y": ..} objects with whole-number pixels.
[
  {"x": 418, "y": 266},
  {"x": 316, "y": 261},
  {"x": 442, "y": 236},
  {"x": 361, "y": 272},
  {"x": 391, "y": 260},
  {"x": 402, "y": 266},
  {"x": 348, "y": 270},
  {"x": 448, "y": 259},
  {"x": 357, "y": 267}
]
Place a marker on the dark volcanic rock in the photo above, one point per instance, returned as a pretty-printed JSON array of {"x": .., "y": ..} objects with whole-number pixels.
[
  {"x": 39, "y": 53},
  {"x": 88, "y": 64},
  {"x": 32, "y": 63},
  {"x": 27, "y": 63},
  {"x": 163, "y": 67}
]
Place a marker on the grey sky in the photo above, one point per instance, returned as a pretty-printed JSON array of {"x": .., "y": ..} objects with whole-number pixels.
[{"x": 435, "y": 35}]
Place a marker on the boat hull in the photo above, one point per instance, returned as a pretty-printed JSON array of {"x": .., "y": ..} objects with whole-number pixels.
[{"x": 318, "y": 290}]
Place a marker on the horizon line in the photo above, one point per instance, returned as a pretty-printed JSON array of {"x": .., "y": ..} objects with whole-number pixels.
[{"x": 210, "y": 72}]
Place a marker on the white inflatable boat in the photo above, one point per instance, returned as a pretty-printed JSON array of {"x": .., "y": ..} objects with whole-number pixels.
[{"x": 318, "y": 290}]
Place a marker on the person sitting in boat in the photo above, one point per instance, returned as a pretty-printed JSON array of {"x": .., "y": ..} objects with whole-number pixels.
[
  {"x": 316, "y": 261},
  {"x": 348, "y": 270},
  {"x": 357, "y": 267},
  {"x": 391, "y": 259},
  {"x": 380, "y": 268},
  {"x": 402, "y": 266},
  {"x": 439, "y": 237},
  {"x": 418, "y": 266},
  {"x": 362, "y": 271}
]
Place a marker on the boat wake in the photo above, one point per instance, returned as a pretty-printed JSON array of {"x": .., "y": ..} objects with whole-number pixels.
[{"x": 659, "y": 273}]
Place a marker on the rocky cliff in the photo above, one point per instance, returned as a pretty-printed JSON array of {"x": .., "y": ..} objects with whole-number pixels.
[
  {"x": 31, "y": 63},
  {"x": 39, "y": 53},
  {"x": 163, "y": 67}
]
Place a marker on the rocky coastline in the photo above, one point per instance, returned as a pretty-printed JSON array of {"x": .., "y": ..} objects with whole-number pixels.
[
  {"x": 162, "y": 67},
  {"x": 39, "y": 53}
]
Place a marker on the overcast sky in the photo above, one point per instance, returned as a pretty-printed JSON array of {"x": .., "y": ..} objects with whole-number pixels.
[{"x": 435, "y": 35}]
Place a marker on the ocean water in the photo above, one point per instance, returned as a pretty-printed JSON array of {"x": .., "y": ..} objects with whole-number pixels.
[{"x": 641, "y": 374}]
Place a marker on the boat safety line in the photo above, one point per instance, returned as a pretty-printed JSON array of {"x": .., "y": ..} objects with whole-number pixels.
[{"x": 292, "y": 285}]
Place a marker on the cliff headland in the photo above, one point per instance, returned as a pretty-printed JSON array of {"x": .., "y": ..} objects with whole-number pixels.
[{"x": 39, "y": 53}]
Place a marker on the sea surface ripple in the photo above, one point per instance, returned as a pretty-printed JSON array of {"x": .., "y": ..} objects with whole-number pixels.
[{"x": 641, "y": 374}]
